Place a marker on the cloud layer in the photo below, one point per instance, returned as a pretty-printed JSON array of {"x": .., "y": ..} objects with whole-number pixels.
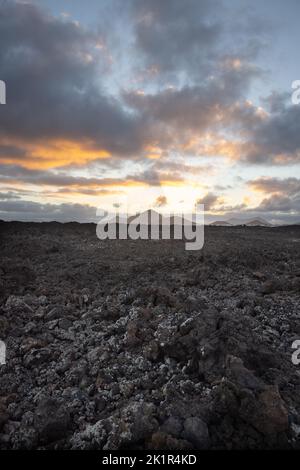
[{"x": 92, "y": 111}]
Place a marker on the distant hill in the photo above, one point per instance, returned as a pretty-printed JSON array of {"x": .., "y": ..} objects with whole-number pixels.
[
  {"x": 257, "y": 222},
  {"x": 149, "y": 215},
  {"x": 235, "y": 221},
  {"x": 221, "y": 223},
  {"x": 146, "y": 217}
]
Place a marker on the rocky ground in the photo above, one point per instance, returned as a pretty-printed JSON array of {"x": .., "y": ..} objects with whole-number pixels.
[{"x": 143, "y": 345}]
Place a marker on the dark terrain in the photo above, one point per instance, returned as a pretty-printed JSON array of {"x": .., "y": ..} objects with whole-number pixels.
[{"x": 141, "y": 344}]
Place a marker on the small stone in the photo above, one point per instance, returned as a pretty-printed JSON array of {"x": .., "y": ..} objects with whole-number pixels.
[
  {"x": 36, "y": 357},
  {"x": 64, "y": 323},
  {"x": 196, "y": 432},
  {"x": 192, "y": 304},
  {"x": 52, "y": 420},
  {"x": 172, "y": 426},
  {"x": 269, "y": 287},
  {"x": 100, "y": 403},
  {"x": 152, "y": 351}
]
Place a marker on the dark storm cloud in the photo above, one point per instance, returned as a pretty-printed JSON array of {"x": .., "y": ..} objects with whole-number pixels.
[
  {"x": 53, "y": 83},
  {"x": 11, "y": 151},
  {"x": 53, "y": 69},
  {"x": 274, "y": 139},
  {"x": 285, "y": 186},
  {"x": 9, "y": 173},
  {"x": 194, "y": 108},
  {"x": 186, "y": 39},
  {"x": 276, "y": 102},
  {"x": 209, "y": 201},
  {"x": 175, "y": 35},
  {"x": 279, "y": 203}
]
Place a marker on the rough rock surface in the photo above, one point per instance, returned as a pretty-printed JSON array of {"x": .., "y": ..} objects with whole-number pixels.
[{"x": 141, "y": 344}]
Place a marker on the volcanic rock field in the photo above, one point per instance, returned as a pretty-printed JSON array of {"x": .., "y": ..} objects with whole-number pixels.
[{"x": 122, "y": 344}]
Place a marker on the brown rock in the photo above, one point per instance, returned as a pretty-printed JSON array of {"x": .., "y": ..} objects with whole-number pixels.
[
  {"x": 268, "y": 413},
  {"x": 258, "y": 275},
  {"x": 131, "y": 334},
  {"x": 160, "y": 440}
]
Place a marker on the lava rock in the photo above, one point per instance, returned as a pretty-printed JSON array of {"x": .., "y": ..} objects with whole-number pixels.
[
  {"x": 52, "y": 420},
  {"x": 196, "y": 431}
]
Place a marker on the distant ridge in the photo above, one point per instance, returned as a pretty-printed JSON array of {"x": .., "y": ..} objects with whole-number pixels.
[
  {"x": 257, "y": 222},
  {"x": 221, "y": 223},
  {"x": 146, "y": 217}
]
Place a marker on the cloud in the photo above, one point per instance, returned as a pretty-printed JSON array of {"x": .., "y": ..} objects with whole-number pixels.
[
  {"x": 278, "y": 203},
  {"x": 52, "y": 67},
  {"x": 283, "y": 194},
  {"x": 174, "y": 35},
  {"x": 10, "y": 195},
  {"x": 132, "y": 102},
  {"x": 177, "y": 115},
  {"x": 209, "y": 201},
  {"x": 61, "y": 110},
  {"x": 161, "y": 201},
  {"x": 183, "y": 41},
  {"x": 274, "y": 140},
  {"x": 289, "y": 186},
  {"x": 12, "y": 152},
  {"x": 154, "y": 175},
  {"x": 276, "y": 101},
  {"x": 37, "y": 212}
]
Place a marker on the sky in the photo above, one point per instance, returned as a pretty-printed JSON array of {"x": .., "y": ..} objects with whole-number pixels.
[{"x": 137, "y": 104}]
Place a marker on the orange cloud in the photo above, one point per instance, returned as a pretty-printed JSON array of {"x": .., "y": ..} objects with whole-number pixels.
[
  {"x": 154, "y": 152},
  {"x": 52, "y": 154},
  {"x": 213, "y": 145}
]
